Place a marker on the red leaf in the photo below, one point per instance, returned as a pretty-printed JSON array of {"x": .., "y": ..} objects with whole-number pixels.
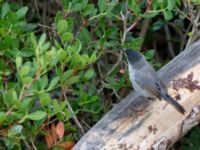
[
  {"x": 49, "y": 140},
  {"x": 60, "y": 130},
  {"x": 54, "y": 133},
  {"x": 68, "y": 145}
]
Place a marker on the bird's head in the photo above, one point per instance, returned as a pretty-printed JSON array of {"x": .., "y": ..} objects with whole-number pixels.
[{"x": 133, "y": 56}]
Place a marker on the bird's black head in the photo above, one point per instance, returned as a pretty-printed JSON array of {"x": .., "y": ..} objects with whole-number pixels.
[{"x": 133, "y": 56}]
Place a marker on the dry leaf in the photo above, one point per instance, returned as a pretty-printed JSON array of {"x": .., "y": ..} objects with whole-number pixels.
[
  {"x": 54, "y": 133},
  {"x": 60, "y": 130},
  {"x": 49, "y": 141},
  {"x": 68, "y": 145},
  {"x": 122, "y": 71}
]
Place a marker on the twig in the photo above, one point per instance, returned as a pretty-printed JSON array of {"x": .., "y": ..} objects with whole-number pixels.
[
  {"x": 144, "y": 28},
  {"x": 99, "y": 70},
  {"x": 45, "y": 26},
  {"x": 44, "y": 16},
  {"x": 36, "y": 7},
  {"x": 116, "y": 94},
  {"x": 133, "y": 25},
  {"x": 185, "y": 37},
  {"x": 169, "y": 44},
  {"x": 124, "y": 19},
  {"x": 34, "y": 147},
  {"x": 73, "y": 114},
  {"x": 116, "y": 64},
  {"x": 85, "y": 123},
  {"x": 146, "y": 21},
  {"x": 194, "y": 20}
]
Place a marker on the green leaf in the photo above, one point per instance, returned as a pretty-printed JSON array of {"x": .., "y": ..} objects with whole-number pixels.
[
  {"x": 37, "y": 115},
  {"x": 21, "y": 12},
  {"x": 102, "y": 5},
  {"x": 170, "y": 4},
  {"x": 3, "y": 116},
  {"x": 33, "y": 40},
  {"x": 76, "y": 7},
  {"x": 24, "y": 70},
  {"x": 89, "y": 10},
  {"x": 63, "y": 105},
  {"x": 5, "y": 9},
  {"x": 56, "y": 108},
  {"x": 27, "y": 52},
  {"x": 42, "y": 39},
  {"x": 18, "y": 62},
  {"x": 78, "y": 46},
  {"x": 43, "y": 82},
  {"x": 26, "y": 104},
  {"x": 68, "y": 114},
  {"x": 27, "y": 80},
  {"x": 62, "y": 26},
  {"x": 150, "y": 14},
  {"x": 10, "y": 98},
  {"x": 45, "y": 99},
  {"x": 167, "y": 15},
  {"x": 53, "y": 83},
  {"x": 135, "y": 43},
  {"x": 93, "y": 57},
  {"x": 72, "y": 80},
  {"x": 85, "y": 35},
  {"x": 89, "y": 74},
  {"x": 45, "y": 46},
  {"x": 149, "y": 54},
  {"x": 157, "y": 25},
  {"x": 67, "y": 74},
  {"x": 134, "y": 7},
  {"x": 67, "y": 36},
  {"x": 16, "y": 129}
]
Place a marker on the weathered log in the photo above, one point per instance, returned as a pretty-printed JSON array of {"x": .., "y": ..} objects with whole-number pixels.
[{"x": 136, "y": 123}]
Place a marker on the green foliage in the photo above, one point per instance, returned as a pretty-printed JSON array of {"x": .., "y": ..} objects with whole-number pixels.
[
  {"x": 35, "y": 72},
  {"x": 191, "y": 141}
]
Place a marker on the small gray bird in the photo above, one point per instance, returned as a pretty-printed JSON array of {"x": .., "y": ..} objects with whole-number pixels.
[{"x": 146, "y": 81}]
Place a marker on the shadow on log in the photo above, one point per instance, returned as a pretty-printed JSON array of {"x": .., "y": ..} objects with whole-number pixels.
[{"x": 139, "y": 124}]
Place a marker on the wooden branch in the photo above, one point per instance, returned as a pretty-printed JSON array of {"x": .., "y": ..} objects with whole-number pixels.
[{"x": 139, "y": 124}]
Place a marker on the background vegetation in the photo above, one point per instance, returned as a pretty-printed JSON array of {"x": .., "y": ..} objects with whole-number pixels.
[{"x": 62, "y": 66}]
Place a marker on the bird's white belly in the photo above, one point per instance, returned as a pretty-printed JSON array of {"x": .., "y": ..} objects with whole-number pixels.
[{"x": 136, "y": 87}]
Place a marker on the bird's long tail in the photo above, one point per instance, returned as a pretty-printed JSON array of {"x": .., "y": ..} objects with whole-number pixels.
[{"x": 173, "y": 102}]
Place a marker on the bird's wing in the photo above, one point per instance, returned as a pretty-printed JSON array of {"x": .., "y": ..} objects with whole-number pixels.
[{"x": 148, "y": 82}]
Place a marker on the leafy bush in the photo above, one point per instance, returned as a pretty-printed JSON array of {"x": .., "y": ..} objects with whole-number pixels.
[{"x": 36, "y": 76}]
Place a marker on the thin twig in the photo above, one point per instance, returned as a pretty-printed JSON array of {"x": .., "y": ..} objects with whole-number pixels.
[
  {"x": 36, "y": 7},
  {"x": 85, "y": 123},
  {"x": 45, "y": 26},
  {"x": 146, "y": 21},
  {"x": 124, "y": 19},
  {"x": 185, "y": 37},
  {"x": 73, "y": 114},
  {"x": 133, "y": 25},
  {"x": 116, "y": 94},
  {"x": 194, "y": 20},
  {"x": 99, "y": 70},
  {"x": 169, "y": 44},
  {"x": 34, "y": 147},
  {"x": 116, "y": 64}
]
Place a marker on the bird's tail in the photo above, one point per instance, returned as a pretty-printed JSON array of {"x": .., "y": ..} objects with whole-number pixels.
[{"x": 173, "y": 102}]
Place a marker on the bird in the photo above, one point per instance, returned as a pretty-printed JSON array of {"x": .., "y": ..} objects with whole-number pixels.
[{"x": 145, "y": 80}]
